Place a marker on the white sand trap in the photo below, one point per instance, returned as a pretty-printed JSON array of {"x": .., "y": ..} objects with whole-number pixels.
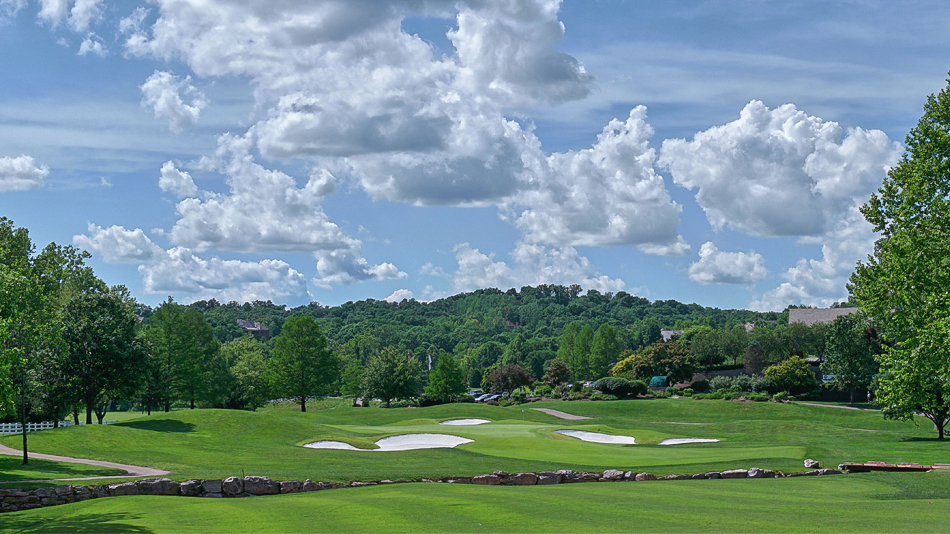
[
  {"x": 405, "y": 442},
  {"x": 597, "y": 437},
  {"x": 338, "y": 445},
  {"x": 680, "y": 441},
  {"x": 464, "y": 422}
]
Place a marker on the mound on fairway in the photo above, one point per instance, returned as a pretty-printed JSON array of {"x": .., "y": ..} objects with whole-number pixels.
[
  {"x": 597, "y": 437},
  {"x": 680, "y": 441},
  {"x": 405, "y": 442},
  {"x": 465, "y": 422}
]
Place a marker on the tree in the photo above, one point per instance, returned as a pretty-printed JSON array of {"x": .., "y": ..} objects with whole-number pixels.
[
  {"x": 733, "y": 342},
  {"x": 245, "y": 365},
  {"x": 351, "y": 381},
  {"x": 671, "y": 360},
  {"x": 304, "y": 366},
  {"x": 705, "y": 345},
  {"x": 903, "y": 286},
  {"x": 508, "y": 378},
  {"x": 446, "y": 381},
  {"x": 852, "y": 348},
  {"x": 104, "y": 356},
  {"x": 793, "y": 376},
  {"x": 557, "y": 373},
  {"x": 604, "y": 351},
  {"x": 754, "y": 359},
  {"x": 391, "y": 375},
  {"x": 183, "y": 348}
]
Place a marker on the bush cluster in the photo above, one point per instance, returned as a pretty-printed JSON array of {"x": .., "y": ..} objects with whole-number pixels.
[{"x": 621, "y": 387}]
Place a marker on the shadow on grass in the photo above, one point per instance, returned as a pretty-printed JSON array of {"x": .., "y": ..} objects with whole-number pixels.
[
  {"x": 26, "y": 522},
  {"x": 163, "y": 425},
  {"x": 934, "y": 439}
]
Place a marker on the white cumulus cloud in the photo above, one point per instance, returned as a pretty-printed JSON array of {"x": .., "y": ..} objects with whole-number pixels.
[
  {"x": 21, "y": 173},
  {"x": 779, "y": 172},
  {"x": 162, "y": 91},
  {"x": 117, "y": 244},
  {"x": 718, "y": 267},
  {"x": 177, "y": 182},
  {"x": 79, "y": 14},
  {"x": 531, "y": 265},
  {"x": 399, "y": 295}
]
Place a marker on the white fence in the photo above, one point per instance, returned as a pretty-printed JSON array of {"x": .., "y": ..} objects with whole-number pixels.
[{"x": 14, "y": 428}]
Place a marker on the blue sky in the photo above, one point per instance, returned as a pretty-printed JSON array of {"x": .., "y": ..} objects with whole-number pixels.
[{"x": 711, "y": 152}]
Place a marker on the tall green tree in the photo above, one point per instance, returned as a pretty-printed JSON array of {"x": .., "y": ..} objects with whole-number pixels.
[
  {"x": 604, "y": 351},
  {"x": 446, "y": 381},
  {"x": 183, "y": 350},
  {"x": 851, "y": 354},
  {"x": 580, "y": 359},
  {"x": 903, "y": 285},
  {"x": 104, "y": 355},
  {"x": 304, "y": 366},
  {"x": 671, "y": 360},
  {"x": 390, "y": 374},
  {"x": 244, "y": 361}
]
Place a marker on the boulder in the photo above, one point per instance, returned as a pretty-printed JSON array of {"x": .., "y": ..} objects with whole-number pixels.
[
  {"x": 768, "y": 473},
  {"x": 735, "y": 473},
  {"x": 65, "y": 489},
  {"x": 487, "y": 480},
  {"x": 698, "y": 476},
  {"x": 501, "y": 473},
  {"x": 358, "y": 484},
  {"x": 309, "y": 485},
  {"x": 46, "y": 492},
  {"x": 291, "y": 486},
  {"x": 100, "y": 491},
  {"x": 211, "y": 486},
  {"x": 549, "y": 477},
  {"x": 190, "y": 488},
  {"x": 568, "y": 476},
  {"x": 212, "y": 495},
  {"x": 630, "y": 475},
  {"x": 330, "y": 485},
  {"x": 259, "y": 486},
  {"x": 157, "y": 486},
  {"x": 81, "y": 493},
  {"x": 521, "y": 479},
  {"x": 232, "y": 486},
  {"x": 822, "y": 472},
  {"x": 713, "y": 475},
  {"x": 588, "y": 476},
  {"x": 812, "y": 473},
  {"x": 645, "y": 476},
  {"x": 611, "y": 475},
  {"x": 125, "y": 488},
  {"x": 459, "y": 480},
  {"x": 811, "y": 464},
  {"x": 755, "y": 472}
]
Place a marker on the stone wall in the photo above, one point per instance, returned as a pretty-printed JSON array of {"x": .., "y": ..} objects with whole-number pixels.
[{"x": 12, "y": 500}]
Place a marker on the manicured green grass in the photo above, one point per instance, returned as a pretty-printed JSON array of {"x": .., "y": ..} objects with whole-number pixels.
[
  {"x": 12, "y": 470},
  {"x": 876, "y": 502},
  {"x": 219, "y": 443}
]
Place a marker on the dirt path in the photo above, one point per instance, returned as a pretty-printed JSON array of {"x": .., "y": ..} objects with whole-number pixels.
[
  {"x": 132, "y": 470},
  {"x": 561, "y": 415}
]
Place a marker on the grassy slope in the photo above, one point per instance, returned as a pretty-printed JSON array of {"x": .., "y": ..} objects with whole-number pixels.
[
  {"x": 11, "y": 470},
  {"x": 217, "y": 443},
  {"x": 878, "y": 502}
]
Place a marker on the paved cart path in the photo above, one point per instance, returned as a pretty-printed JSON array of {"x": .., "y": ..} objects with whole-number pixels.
[
  {"x": 560, "y": 414},
  {"x": 132, "y": 470}
]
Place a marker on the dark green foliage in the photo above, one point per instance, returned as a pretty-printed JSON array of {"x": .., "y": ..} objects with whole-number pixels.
[
  {"x": 671, "y": 360},
  {"x": 755, "y": 358},
  {"x": 793, "y": 376},
  {"x": 446, "y": 381},
  {"x": 508, "y": 378},
  {"x": 303, "y": 365},
  {"x": 851, "y": 355},
  {"x": 557, "y": 373},
  {"x": 621, "y": 387},
  {"x": 391, "y": 375}
]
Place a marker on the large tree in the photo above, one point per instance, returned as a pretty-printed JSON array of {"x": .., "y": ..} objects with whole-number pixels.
[
  {"x": 446, "y": 381},
  {"x": 604, "y": 351},
  {"x": 507, "y": 378},
  {"x": 851, "y": 351},
  {"x": 303, "y": 363},
  {"x": 670, "y": 359},
  {"x": 391, "y": 374},
  {"x": 903, "y": 286},
  {"x": 104, "y": 356},
  {"x": 183, "y": 348}
]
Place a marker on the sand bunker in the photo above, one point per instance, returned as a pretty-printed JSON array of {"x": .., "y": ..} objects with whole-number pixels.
[
  {"x": 405, "y": 442},
  {"x": 680, "y": 441},
  {"x": 597, "y": 437},
  {"x": 562, "y": 415},
  {"x": 464, "y": 422}
]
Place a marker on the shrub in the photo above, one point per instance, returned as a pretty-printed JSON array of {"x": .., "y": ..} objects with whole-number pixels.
[
  {"x": 700, "y": 386},
  {"x": 670, "y": 391},
  {"x": 621, "y": 387},
  {"x": 720, "y": 382},
  {"x": 598, "y": 396},
  {"x": 793, "y": 376},
  {"x": 759, "y": 384},
  {"x": 743, "y": 382},
  {"x": 687, "y": 392},
  {"x": 507, "y": 402},
  {"x": 543, "y": 390},
  {"x": 519, "y": 396},
  {"x": 660, "y": 393},
  {"x": 757, "y": 397},
  {"x": 781, "y": 396}
]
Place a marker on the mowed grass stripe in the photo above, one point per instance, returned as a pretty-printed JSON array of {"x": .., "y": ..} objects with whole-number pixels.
[{"x": 853, "y": 503}]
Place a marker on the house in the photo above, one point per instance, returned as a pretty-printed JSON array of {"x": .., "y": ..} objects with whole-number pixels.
[
  {"x": 812, "y": 316},
  {"x": 670, "y": 334},
  {"x": 254, "y": 328}
]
